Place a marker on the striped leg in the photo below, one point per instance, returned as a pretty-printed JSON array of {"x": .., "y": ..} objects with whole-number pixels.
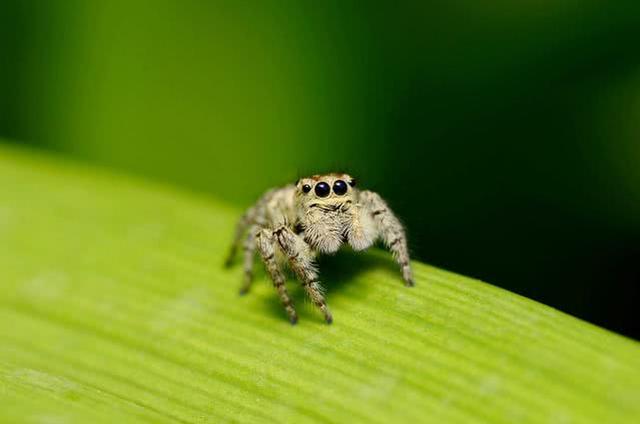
[
  {"x": 249, "y": 252},
  {"x": 266, "y": 246},
  {"x": 244, "y": 221},
  {"x": 391, "y": 232},
  {"x": 301, "y": 261}
]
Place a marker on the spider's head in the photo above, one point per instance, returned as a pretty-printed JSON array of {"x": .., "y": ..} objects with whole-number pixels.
[
  {"x": 325, "y": 205},
  {"x": 327, "y": 193}
]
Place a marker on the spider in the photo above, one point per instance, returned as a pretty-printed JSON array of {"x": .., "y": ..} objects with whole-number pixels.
[{"x": 316, "y": 215}]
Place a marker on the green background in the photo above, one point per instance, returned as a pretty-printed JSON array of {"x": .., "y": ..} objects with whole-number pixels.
[{"x": 505, "y": 136}]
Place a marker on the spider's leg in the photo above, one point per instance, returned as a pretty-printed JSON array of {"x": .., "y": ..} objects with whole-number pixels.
[
  {"x": 266, "y": 246},
  {"x": 301, "y": 260},
  {"x": 243, "y": 223},
  {"x": 249, "y": 252},
  {"x": 391, "y": 232},
  {"x": 362, "y": 230}
]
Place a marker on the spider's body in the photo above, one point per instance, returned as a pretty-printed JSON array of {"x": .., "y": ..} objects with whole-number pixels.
[{"x": 316, "y": 215}]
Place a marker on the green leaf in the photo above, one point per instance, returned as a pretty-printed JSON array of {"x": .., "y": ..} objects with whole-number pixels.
[{"x": 114, "y": 307}]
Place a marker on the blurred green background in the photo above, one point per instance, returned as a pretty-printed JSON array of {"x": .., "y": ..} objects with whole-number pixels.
[{"x": 506, "y": 135}]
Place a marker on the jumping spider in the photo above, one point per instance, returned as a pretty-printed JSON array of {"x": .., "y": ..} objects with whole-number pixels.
[{"x": 315, "y": 215}]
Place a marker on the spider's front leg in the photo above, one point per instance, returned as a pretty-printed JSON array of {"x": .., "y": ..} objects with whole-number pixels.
[
  {"x": 390, "y": 230},
  {"x": 267, "y": 245},
  {"x": 301, "y": 260}
]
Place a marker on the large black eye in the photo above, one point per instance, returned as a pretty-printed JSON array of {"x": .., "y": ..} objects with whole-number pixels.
[
  {"x": 306, "y": 188},
  {"x": 339, "y": 187},
  {"x": 322, "y": 189}
]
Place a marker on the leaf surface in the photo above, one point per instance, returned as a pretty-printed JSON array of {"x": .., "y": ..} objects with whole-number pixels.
[{"x": 115, "y": 307}]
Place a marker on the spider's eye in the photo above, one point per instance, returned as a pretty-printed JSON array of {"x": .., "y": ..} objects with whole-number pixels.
[
  {"x": 322, "y": 189},
  {"x": 306, "y": 188},
  {"x": 339, "y": 187},
  {"x": 352, "y": 183}
]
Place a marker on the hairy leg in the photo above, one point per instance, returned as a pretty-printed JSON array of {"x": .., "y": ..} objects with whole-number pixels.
[
  {"x": 301, "y": 260},
  {"x": 249, "y": 252},
  {"x": 267, "y": 247},
  {"x": 391, "y": 232},
  {"x": 245, "y": 220}
]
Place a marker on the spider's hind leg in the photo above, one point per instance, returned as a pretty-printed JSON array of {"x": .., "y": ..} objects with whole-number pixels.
[
  {"x": 249, "y": 252},
  {"x": 245, "y": 221}
]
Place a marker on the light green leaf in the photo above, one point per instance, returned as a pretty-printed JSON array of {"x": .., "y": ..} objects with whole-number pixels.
[{"x": 114, "y": 307}]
